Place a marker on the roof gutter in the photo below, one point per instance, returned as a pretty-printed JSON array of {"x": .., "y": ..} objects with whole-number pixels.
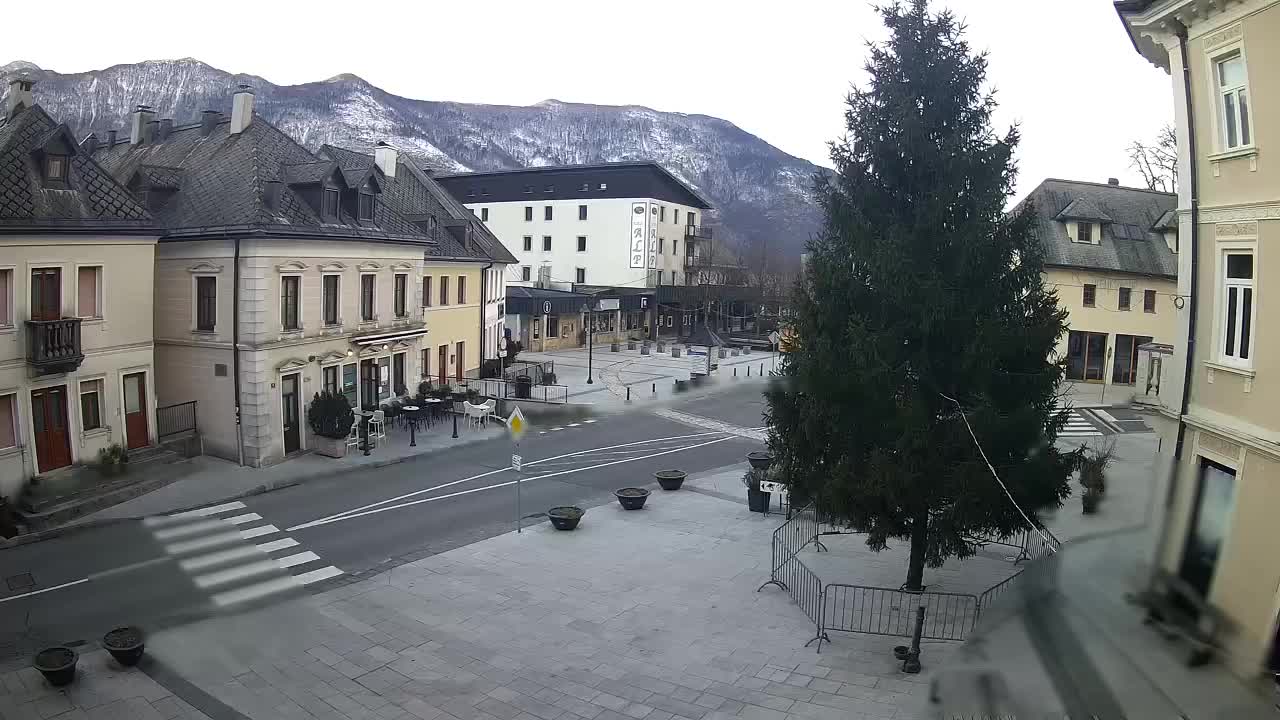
[
  {"x": 1195, "y": 257},
  {"x": 484, "y": 305},
  {"x": 235, "y": 345}
]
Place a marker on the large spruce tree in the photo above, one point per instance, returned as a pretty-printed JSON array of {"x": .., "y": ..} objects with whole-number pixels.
[{"x": 921, "y": 288}]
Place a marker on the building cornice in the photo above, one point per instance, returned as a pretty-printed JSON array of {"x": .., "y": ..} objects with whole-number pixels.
[
  {"x": 1154, "y": 29},
  {"x": 1236, "y": 213}
]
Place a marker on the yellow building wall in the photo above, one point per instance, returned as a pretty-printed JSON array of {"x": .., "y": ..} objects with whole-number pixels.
[{"x": 455, "y": 322}]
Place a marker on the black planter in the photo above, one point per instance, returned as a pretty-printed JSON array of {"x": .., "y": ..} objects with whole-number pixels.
[
  {"x": 760, "y": 460},
  {"x": 614, "y": 347},
  {"x": 631, "y": 498},
  {"x": 1089, "y": 503},
  {"x": 670, "y": 479},
  {"x": 631, "y": 344},
  {"x": 566, "y": 517},
  {"x": 57, "y": 664},
  {"x": 757, "y": 500},
  {"x": 901, "y": 652},
  {"x": 125, "y": 644}
]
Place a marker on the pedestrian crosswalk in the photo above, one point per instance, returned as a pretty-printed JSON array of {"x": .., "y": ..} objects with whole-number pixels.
[
  {"x": 1076, "y": 426},
  {"x": 235, "y": 555}
]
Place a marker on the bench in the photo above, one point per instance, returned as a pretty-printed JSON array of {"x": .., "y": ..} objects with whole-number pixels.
[{"x": 1178, "y": 610}]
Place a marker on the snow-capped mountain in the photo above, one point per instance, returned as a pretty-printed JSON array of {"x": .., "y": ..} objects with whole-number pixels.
[{"x": 761, "y": 192}]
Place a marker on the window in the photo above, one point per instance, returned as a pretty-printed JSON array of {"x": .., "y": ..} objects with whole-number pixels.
[
  {"x": 1237, "y": 307},
  {"x": 661, "y": 245},
  {"x": 662, "y": 213},
  {"x": 484, "y": 214},
  {"x": 546, "y": 212},
  {"x": 6, "y": 297},
  {"x": 330, "y": 379},
  {"x": 524, "y": 273},
  {"x": 426, "y": 291},
  {"x": 55, "y": 168},
  {"x": 289, "y": 289},
  {"x": 397, "y": 374},
  {"x": 368, "y": 288},
  {"x": 580, "y": 275},
  {"x": 528, "y": 243},
  {"x": 675, "y": 215},
  {"x": 462, "y": 289},
  {"x": 330, "y": 207},
  {"x": 1124, "y": 298},
  {"x": 675, "y": 246},
  {"x": 1084, "y": 232},
  {"x": 528, "y": 213},
  {"x": 90, "y": 405},
  {"x": 366, "y": 206},
  {"x": 693, "y": 219},
  {"x": 89, "y": 292},
  {"x": 1234, "y": 108},
  {"x": 546, "y": 243},
  {"x": 329, "y": 299},
  {"x": 582, "y": 243},
  {"x": 401, "y": 295},
  {"x": 1149, "y": 301},
  {"x": 426, "y": 362},
  {"x": 206, "y": 303},
  {"x": 582, "y": 211},
  {"x": 444, "y": 290},
  {"x": 8, "y": 421},
  {"x": 349, "y": 383},
  {"x": 1090, "y": 295}
]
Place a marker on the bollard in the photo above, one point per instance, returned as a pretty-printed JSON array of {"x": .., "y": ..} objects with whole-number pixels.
[
  {"x": 628, "y": 393},
  {"x": 654, "y": 388},
  {"x": 912, "y": 663},
  {"x": 748, "y": 371},
  {"x": 735, "y": 372},
  {"x": 761, "y": 369}
]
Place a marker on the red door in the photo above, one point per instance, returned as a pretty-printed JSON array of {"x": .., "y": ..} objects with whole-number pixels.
[
  {"x": 135, "y": 411},
  {"x": 49, "y": 421}
]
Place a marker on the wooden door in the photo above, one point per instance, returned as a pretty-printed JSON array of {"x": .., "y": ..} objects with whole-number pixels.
[
  {"x": 137, "y": 434},
  {"x": 290, "y": 413},
  {"x": 46, "y": 294},
  {"x": 458, "y": 364},
  {"x": 443, "y": 364},
  {"x": 49, "y": 422}
]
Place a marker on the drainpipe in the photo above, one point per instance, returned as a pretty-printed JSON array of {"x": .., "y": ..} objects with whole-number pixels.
[
  {"x": 484, "y": 305},
  {"x": 235, "y": 345},
  {"x": 1195, "y": 254}
]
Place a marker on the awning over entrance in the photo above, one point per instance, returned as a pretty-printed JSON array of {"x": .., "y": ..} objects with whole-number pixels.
[{"x": 386, "y": 337}]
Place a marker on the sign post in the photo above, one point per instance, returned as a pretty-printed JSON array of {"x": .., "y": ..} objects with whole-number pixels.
[{"x": 516, "y": 427}]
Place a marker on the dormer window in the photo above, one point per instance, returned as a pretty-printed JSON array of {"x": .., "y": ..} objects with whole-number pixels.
[
  {"x": 330, "y": 206},
  {"x": 1084, "y": 232},
  {"x": 55, "y": 169},
  {"x": 366, "y": 206}
]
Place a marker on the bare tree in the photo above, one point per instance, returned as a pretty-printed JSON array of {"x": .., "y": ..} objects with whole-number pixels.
[{"x": 1157, "y": 163}]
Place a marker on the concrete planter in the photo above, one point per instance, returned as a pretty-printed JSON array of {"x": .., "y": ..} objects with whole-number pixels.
[
  {"x": 631, "y": 344},
  {"x": 675, "y": 352},
  {"x": 724, "y": 353},
  {"x": 662, "y": 347},
  {"x": 644, "y": 350},
  {"x": 735, "y": 352},
  {"x": 329, "y": 447},
  {"x": 614, "y": 347},
  {"x": 746, "y": 349}
]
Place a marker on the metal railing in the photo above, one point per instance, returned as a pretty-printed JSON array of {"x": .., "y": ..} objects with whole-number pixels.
[
  {"x": 697, "y": 232},
  {"x": 886, "y": 611},
  {"x": 509, "y": 390},
  {"x": 174, "y": 420},
  {"x": 54, "y": 345},
  {"x": 1031, "y": 544}
]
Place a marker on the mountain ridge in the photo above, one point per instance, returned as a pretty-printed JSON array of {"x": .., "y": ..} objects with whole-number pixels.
[{"x": 761, "y": 193}]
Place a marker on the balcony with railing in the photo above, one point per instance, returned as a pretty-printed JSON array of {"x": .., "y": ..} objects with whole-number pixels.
[
  {"x": 697, "y": 232},
  {"x": 53, "y": 346}
]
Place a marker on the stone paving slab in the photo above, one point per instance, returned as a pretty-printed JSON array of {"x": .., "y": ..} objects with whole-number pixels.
[
  {"x": 649, "y": 615},
  {"x": 103, "y": 690}
]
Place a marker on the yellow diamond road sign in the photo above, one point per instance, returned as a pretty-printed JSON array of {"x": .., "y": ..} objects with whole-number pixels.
[{"x": 516, "y": 424}]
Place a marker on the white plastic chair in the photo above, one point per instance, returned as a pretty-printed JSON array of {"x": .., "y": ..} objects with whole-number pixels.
[
  {"x": 353, "y": 436},
  {"x": 475, "y": 413},
  {"x": 378, "y": 425},
  {"x": 491, "y": 409}
]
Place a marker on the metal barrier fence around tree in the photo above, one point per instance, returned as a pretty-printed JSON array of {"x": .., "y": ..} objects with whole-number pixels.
[{"x": 173, "y": 420}]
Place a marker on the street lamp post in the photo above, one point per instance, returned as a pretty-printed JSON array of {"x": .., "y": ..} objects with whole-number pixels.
[{"x": 590, "y": 337}]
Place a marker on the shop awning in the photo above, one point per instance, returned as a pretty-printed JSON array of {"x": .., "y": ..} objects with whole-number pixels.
[{"x": 387, "y": 337}]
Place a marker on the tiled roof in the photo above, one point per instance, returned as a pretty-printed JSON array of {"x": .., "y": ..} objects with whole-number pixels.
[
  {"x": 1126, "y": 242},
  {"x": 1082, "y": 208},
  {"x": 222, "y": 180},
  {"x": 92, "y": 198}
]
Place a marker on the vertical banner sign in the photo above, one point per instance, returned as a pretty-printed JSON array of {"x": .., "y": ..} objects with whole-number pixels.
[
  {"x": 653, "y": 235},
  {"x": 639, "y": 234}
]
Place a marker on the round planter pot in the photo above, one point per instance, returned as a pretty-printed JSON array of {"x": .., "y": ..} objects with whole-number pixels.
[
  {"x": 57, "y": 664},
  {"x": 125, "y": 644},
  {"x": 760, "y": 460},
  {"x": 1089, "y": 505},
  {"x": 631, "y": 498},
  {"x": 901, "y": 652},
  {"x": 566, "y": 517},
  {"x": 757, "y": 500},
  {"x": 631, "y": 345},
  {"x": 670, "y": 479},
  {"x": 614, "y": 347},
  {"x": 644, "y": 350},
  {"x": 675, "y": 352}
]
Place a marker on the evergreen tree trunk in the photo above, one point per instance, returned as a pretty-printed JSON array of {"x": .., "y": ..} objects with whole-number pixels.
[{"x": 919, "y": 544}]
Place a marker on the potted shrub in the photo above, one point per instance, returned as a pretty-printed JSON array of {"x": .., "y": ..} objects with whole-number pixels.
[
  {"x": 113, "y": 460},
  {"x": 670, "y": 479},
  {"x": 330, "y": 418},
  {"x": 1089, "y": 501},
  {"x": 1093, "y": 476},
  {"x": 631, "y": 498},
  {"x": 565, "y": 517},
  {"x": 757, "y": 499},
  {"x": 57, "y": 665},
  {"x": 125, "y": 645}
]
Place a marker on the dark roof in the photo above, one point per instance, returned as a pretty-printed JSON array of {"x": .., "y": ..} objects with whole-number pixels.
[
  {"x": 91, "y": 200},
  {"x": 221, "y": 182},
  {"x": 1126, "y": 243},
  {"x": 522, "y": 300},
  {"x": 415, "y": 195},
  {"x": 573, "y": 182},
  {"x": 1082, "y": 208}
]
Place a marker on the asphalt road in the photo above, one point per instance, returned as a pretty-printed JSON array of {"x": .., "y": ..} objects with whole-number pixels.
[{"x": 160, "y": 571}]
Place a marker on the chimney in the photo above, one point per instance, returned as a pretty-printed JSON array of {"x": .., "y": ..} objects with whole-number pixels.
[
  {"x": 141, "y": 116},
  {"x": 89, "y": 144},
  {"x": 271, "y": 194},
  {"x": 19, "y": 95},
  {"x": 150, "y": 131},
  {"x": 166, "y": 127},
  {"x": 384, "y": 156},
  {"x": 209, "y": 120},
  {"x": 111, "y": 138},
  {"x": 241, "y": 109},
  {"x": 1113, "y": 181}
]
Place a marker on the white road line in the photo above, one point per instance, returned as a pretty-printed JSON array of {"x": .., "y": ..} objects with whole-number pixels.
[
  {"x": 574, "y": 424},
  {"x": 239, "y": 572},
  {"x": 1105, "y": 415},
  {"x": 44, "y": 590},
  {"x": 351, "y": 516},
  {"x": 495, "y": 472},
  {"x": 275, "y": 545},
  {"x": 556, "y": 428},
  {"x": 207, "y": 511},
  {"x": 258, "y": 531},
  {"x": 194, "y": 528},
  {"x": 256, "y": 591},
  {"x": 588, "y": 421},
  {"x": 299, "y": 559},
  {"x": 323, "y": 573},
  {"x": 201, "y": 562},
  {"x": 204, "y": 543},
  {"x": 242, "y": 519}
]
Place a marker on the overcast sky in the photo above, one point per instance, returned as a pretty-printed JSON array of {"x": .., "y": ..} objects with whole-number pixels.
[{"x": 1064, "y": 70}]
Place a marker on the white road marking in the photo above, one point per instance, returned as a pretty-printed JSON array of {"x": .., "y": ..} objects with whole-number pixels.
[
  {"x": 574, "y": 424},
  {"x": 495, "y": 472},
  {"x": 206, "y": 511},
  {"x": 200, "y": 562},
  {"x": 204, "y": 543},
  {"x": 323, "y": 573},
  {"x": 194, "y": 528},
  {"x": 299, "y": 559},
  {"x": 239, "y": 572},
  {"x": 45, "y": 590},
  {"x": 353, "y": 515},
  {"x": 1105, "y": 415},
  {"x": 255, "y": 591},
  {"x": 258, "y": 531},
  {"x": 242, "y": 519},
  {"x": 556, "y": 428},
  {"x": 275, "y": 545},
  {"x": 588, "y": 421}
]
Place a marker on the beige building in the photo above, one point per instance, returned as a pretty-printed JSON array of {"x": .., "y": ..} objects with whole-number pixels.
[
  {"x": 1111, "y": 255},
  {"x": 281, "y": 273},
  {"x": 1221, "y": 438},
  {"x": 76, "y": 250}
]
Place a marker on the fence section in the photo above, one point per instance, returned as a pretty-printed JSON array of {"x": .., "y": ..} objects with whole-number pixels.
[
  {"x": 172, "y": 420},
  {"x": 885, "y": 611},
  {"x": 508, "y": 390},
  {"x": 1031, "y": 544}
]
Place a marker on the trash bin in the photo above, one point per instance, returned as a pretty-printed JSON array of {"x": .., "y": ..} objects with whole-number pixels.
[{"x": 524, "y": 387}]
